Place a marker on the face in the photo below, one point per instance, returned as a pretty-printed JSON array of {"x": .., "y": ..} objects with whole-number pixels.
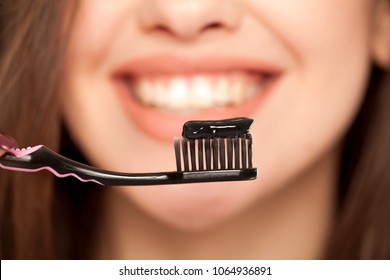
[{"x": 138, "y": 69}]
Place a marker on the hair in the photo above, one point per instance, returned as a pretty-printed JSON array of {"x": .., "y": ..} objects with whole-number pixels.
[
  {"x": 31, "y": 57},
  {"x": 38, "y": 221},
  {"x": 363, "y": 221}
]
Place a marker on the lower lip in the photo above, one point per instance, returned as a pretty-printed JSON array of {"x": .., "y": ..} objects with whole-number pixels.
[{"x": 163, "y": 126}]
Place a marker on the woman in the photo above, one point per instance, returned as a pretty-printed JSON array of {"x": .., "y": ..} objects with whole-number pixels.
[{"x": 112, "y": 73}]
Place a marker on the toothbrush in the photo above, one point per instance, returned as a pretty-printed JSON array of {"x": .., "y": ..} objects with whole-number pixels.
[{"x": 209, "y": 151}]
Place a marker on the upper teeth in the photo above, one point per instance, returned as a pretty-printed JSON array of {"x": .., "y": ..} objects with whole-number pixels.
[{"x": 196, "y": 92}]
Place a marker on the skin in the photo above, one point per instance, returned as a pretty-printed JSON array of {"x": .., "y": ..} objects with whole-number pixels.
[{"x": 324, "y": 48}]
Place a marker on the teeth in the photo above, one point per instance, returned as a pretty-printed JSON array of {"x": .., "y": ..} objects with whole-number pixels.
[
  {"x": 147, "y": 92},
  {"x": 237, "y": 92},
  {"x": 159, "y": 97},
  {"x": 201, "y": 93},
  {"x": 221, "y": 91},
  {"x": 177, "y": 91},
  {"x": 195, "y": 92}
]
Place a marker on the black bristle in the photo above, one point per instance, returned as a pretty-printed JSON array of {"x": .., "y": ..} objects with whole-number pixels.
[
  {"x": 177, "y": 154},
  {"x": 200, "y": 154},
  {"x": 222, "y": 153},
  {"x": 193, "y": 152},
  {"x": 208, "y": 153},
  {"x": 249, "y": 136},
  {"x": 236, "y": 146},
  {"x": 185, "y": 154},
  {"x": 243, "y": 151},
  {"x": 230, "y": 153},
  {"x": 215, "y": 154}
]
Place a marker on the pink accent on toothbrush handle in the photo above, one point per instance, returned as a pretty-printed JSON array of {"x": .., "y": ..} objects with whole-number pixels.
[
  {"x": 7, "y": 142},
  {"x": 23, "y": 151},
  {"x": 52, "y": 171}
]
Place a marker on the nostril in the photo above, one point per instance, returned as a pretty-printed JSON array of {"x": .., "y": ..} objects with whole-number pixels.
[
  {"x": 162, "y": 28},
  {"x": 213, "y": 25},
  {"x": 189, "y": 19},
  {"x": 165, "y": 29}
]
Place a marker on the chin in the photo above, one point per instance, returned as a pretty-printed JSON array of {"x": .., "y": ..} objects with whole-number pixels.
[{"x": 193, "y": 207}]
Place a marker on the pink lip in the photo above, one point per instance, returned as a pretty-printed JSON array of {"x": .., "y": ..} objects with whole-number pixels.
[
  {"x": 162, "y": 125},
  {"x": 169, "y": 64}
]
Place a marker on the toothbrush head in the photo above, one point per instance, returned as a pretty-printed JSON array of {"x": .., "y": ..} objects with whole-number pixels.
[{"x": 215, "y": 145}]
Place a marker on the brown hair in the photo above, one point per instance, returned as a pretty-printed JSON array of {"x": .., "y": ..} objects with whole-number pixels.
[
  {"x": 363, "y": 226},
  {"x": 31, "y": 63},
  {"x": 36, "y": 220}
]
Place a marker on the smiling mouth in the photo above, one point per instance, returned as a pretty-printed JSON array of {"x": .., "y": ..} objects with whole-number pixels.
[
  {"x": 159, "y": 94},
  {"x": 196, "y": 92}
]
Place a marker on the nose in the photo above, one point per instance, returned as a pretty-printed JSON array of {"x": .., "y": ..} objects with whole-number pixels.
[{"x": 188, "y": 19}]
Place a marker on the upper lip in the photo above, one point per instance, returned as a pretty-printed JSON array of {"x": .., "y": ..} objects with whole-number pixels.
[{"x": 173, "y": 65}]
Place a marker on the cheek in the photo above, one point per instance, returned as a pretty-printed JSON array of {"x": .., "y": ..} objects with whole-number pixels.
[
  {"x": 320, "y": 93},
  {"x": 319, "y": 34},
  {"x": 306, "y": 26},
  {"x": 97, "y": 24}
]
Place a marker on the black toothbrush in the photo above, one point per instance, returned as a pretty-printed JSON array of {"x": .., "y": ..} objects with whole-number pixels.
[{"x": 211, "y": 151}]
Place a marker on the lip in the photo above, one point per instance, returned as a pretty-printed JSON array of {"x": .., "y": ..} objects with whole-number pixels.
[{"x": 163, "y": 125}]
